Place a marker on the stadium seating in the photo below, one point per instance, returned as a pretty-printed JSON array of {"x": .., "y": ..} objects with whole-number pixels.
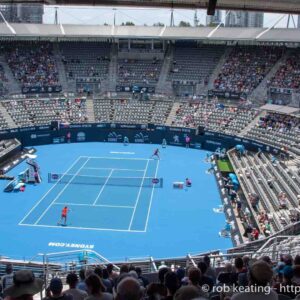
[
  {"x": 193, "y": 63},
  {"x": 43, "y": 111},
  {"x": 288, "y": 75},
  {"x": 3, "y": 122},
  {"x": 246, "y": 67},
  {"x": 32, "y": 63},
  {"x": 279, "y": 130},
  {"x": 3, "y": 80},
  {"x": 138, "y": 72},
  {"x": 226, "y": 119},
  {"x": 259, "y": 175},
  {"x": 131, "y": 111},
  {"x": 85, "y": 59}
]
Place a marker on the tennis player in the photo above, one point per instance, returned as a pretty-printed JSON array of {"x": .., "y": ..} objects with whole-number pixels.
[
  {"x": 156, "y": 153},
  {"x": 64, "y": 215},
  {"x": 126, "y": 141}
]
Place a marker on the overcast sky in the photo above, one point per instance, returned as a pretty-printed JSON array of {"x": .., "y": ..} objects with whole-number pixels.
[{"x": 140, "y": 16}]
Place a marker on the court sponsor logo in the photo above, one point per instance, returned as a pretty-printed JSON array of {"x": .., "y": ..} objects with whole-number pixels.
[
  {"x": 35, "y": 136},
  {"x": 71, "y": 245},
  {"x": 81, "y": 136},
  {"x": 114, "y": 137},
  {"x": 141, "y": 138}
]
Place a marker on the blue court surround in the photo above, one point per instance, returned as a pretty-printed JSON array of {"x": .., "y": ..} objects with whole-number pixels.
[{"x": 116, "y": 221}]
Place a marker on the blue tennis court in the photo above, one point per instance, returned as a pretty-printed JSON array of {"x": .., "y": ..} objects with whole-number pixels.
[
  {"x": 119, "y": 202},
  {"x": 121, "y": 216}
]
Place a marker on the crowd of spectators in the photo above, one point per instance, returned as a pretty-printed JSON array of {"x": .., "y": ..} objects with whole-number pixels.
[
  {"x": 32, "y": 63},
  {"x": 243, "y": 278},
  {"x": 245, "y": 68},
  {"x": 279, "y": 122},
  {"x": 3, "y": 80},
  {"x": 288, "y": 75}
]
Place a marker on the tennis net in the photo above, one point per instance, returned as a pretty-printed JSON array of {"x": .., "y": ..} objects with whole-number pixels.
[{"x": 99, "y": 180}]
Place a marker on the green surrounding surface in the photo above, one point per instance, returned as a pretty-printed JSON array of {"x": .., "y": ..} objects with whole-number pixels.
[{"x": 224, "y": 165}]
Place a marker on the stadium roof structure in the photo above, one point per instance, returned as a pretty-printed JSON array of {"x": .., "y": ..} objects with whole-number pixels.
[
  {"x": 48, "y": 31},
  {"x": 286, "y": 6}
]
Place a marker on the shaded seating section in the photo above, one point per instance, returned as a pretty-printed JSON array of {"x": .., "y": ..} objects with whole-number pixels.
[
  {"x": 194, "y": 63},
  {"x": 288, "y": 75},
  {"x": 138, "y": 72},
  {"x": 246, "y": 67},
  {"x": 43, "y": 111},
  {"x": 131, "y": 111},
  {"x": 3, "y": 80},
  {"x": 32, "y": 63},
  {"x": 280, "y": 130},
  {"x": 226, "y": 119},
  {"x": 85, "y": 59}
]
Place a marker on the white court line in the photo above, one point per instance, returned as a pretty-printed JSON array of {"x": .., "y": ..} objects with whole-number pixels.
[
  {"x": 81, "y": 228},
  {"x": 103, "y": 186},
  {"x": 49, "y": 191},
  {"x": 90, "y": 205},
  {"x": 128, "y": 153},
  {"x": 138, "y": 170},
  {"x": 59, "y": 194},
  {"x": 127, "y": 158},
  {"x": 138, "y": 196},
  {"x": 151, "y": 197}
]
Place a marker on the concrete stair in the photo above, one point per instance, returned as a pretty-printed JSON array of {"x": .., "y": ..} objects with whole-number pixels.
[
  {"x": 164, "y": 86},
  {"x": 111, "y": 83},
  {"x": 13, "y": 86},
  {"x": 172, "y": 114},
  {"x": 5, "y": 114},
  {"x": 66, "y": 85},
  {"x": 90, "y": 110},
  {"x": 259, "y": 95}
]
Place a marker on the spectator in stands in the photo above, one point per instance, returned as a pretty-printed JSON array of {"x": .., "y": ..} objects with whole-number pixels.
[
  {"x": 7, "y": 279},
  {"x": 211, "y": 271},
  {"x": 24, "y": 287},
  {"x": 260, "y": 275},
  {"x": 286, "y": 287},
  {"x": 171, "y": 283},
  {"x": 107, "y": 283},
  {"x": 241, "y": 271},
  {"x": 155, "y": 290},
  {"x": 81, "y": 284},
  {"x": 111, "y": 273},
  {"x": 255, "y": 234},
  {"x": 56, "y": 287},
  {"x": 129, "y": 289},
  {"x": 227, "y": 277},
  {"x": 282, "y": 198},
  {"x": 296, "y": 278},
  {"x": 204, "y": 278},
  {"x": 187, "y": 293},
  {"x": 141, "y": 278},
  {"x": 72, "y": 281},
  {"x": 95, "y": 288}
]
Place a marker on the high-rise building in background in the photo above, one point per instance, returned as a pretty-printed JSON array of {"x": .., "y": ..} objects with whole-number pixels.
[
  {"x": 244, "y": 19},
  {"x": 22, "y": 13},
  {"x": 215, "y": 19},
  {"x": 298, "y": 21}
]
